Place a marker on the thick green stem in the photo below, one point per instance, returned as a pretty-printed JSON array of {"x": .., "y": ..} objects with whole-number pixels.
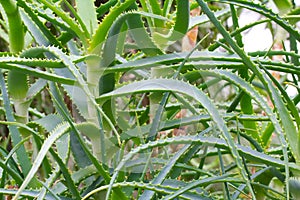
[
  {"x": 93, "y": 74},
  {"x": 17, "y": 82},
  {"x": 16, "y": 33},
  {"x": 18, "y": 87}
]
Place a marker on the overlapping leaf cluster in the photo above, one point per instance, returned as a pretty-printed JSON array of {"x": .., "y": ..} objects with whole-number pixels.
[{"x": 99, "y": 105}]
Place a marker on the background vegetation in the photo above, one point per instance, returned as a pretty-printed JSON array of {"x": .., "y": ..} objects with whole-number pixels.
[{"x": 148, "y": 100}]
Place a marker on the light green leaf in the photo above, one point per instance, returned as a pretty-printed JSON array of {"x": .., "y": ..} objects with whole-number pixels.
[{"x": 87, "y": 12}]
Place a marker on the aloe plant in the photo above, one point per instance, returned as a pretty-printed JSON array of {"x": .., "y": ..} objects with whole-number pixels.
[{"x": 102, "y": 102}]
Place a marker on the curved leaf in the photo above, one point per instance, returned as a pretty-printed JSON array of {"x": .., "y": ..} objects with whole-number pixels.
[{"x": 184, "y": 88}]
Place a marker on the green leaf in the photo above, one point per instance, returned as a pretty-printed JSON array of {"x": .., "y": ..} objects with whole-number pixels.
[
  {"x": 22, "y": 155},
  {"x": 29, "y": 193},
  {"x": 87, "y": 12},
  {"x": 47, "y": 63},
  {"x": 267, "y": 13},
  {"x": 198, "y": 20},
  {"x": 35, "y": 26},
  {"x": 163, "y": 189},
  {"x": 284, "y": 6},
  {"x": 184, "y": 88},
  {"x": 180, "y": 27},
  {"x": 162, "y": 175},
  {"x": 60, "y": 130},
  {"x": 100, "y": 35},
  {"x": 38, "y": 73},
  {"x": 50, "y": 122},
  {"x": 104, "y": 7},
  {"x": 277, "y": 100},
  {"x": 95, "y": 162},
  {"x": 211, "y": 141}
]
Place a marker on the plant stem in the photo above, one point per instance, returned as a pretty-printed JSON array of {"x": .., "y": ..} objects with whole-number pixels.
[
  {"x": 17, "y": 82},
  {"x": 16, "y": 36}
]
